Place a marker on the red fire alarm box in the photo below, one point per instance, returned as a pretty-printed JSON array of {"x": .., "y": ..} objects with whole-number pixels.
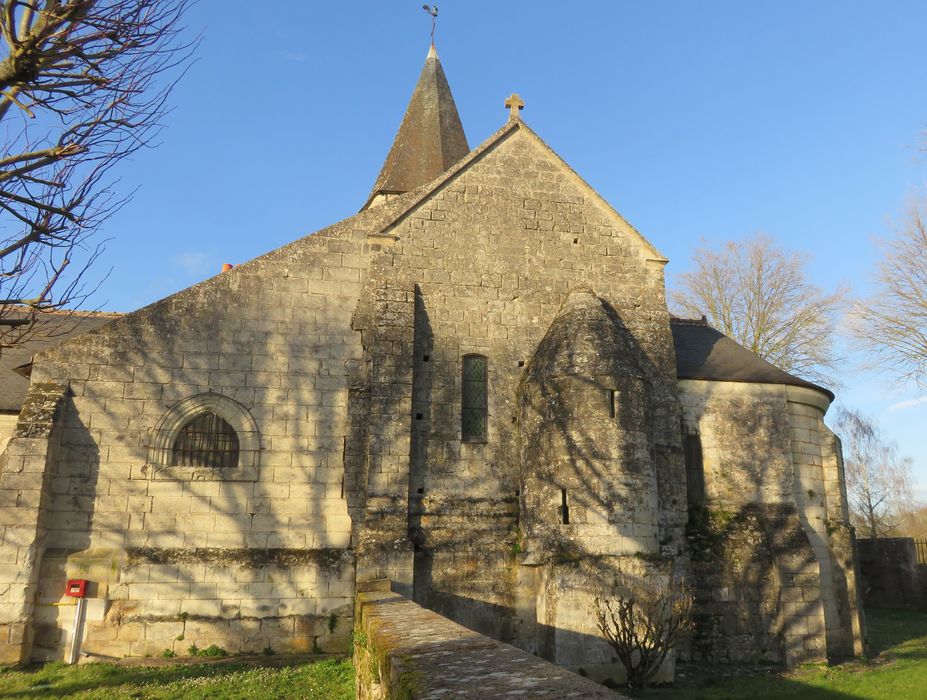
[{"x": 77, "y": 588}]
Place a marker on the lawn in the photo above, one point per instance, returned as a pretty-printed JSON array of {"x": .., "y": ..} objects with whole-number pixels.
[
  {"x": 897, "y": 670},
  {"x": 330, "y": 679}
]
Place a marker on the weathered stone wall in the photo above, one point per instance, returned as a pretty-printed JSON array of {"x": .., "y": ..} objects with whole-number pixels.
[
  {"x": 493, "y": 255},
  {"x": 24, "y": 516},
  {"x": 820, "y": 493},
  {"x": 773, "y": 551},
  {"x": 890, "y": 574},
  {"x": 273, "y": 338},
  {"x": 7, "y": 425},
  {"x": 402, "y": 650}
]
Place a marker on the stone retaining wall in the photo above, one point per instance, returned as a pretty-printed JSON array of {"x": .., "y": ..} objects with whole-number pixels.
[
  {"x": 889, "y": 572},
  {"x": 402, "y": 650}
]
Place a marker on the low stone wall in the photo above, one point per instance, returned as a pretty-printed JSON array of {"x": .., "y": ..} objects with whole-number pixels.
[
  {"x": 889, "y": 572},
  {"x": 402, "y": 650}
]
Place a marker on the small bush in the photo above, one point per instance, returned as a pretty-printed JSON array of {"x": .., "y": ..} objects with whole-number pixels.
[
  {"x": 214, "y": 651},
  {"x": 642, "y": 623},
  {"x": 168, "y": 654}
]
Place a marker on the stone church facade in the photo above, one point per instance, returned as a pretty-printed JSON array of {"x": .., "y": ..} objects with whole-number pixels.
[{"x": 472, "y": 387}]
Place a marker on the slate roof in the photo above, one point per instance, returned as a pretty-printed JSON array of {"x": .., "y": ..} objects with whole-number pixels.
[
  {"x": 430, "y": 138},
  {"x": 703, "y": 352},
  {"x": 50, "y": 329}
]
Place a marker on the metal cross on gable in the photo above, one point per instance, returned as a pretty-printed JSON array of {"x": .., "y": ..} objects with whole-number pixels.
[{"x": 514, "y": 104}]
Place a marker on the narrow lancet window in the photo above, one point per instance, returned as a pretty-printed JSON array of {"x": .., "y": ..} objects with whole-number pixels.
[
  {"x": 474, "y": 399},
  {"x": 206, "y": 441}
]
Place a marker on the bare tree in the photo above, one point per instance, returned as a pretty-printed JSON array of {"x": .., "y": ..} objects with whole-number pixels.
[
  {"x": 892, "y": 324},
  {"x": 878, "y": 481},
  {"x": 914, "y": 522},
  {"x": 760, "y": 296},
  {"x": 642, "y": 624},
  {"x": 83, "y": 84}
]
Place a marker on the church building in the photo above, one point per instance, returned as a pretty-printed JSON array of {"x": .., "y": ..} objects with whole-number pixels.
[{"x": 472, "y": 388}]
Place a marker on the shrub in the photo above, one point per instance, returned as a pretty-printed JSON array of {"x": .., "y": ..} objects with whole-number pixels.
[
  {"x": 214, "y": 650},
  {"x": 642, "y": 623}
]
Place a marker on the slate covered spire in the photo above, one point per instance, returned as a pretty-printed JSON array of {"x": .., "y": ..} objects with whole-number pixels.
[{"x": 430, "y": 139}]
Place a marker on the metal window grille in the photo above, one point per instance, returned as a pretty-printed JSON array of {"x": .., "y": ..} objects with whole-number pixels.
[
  {"x": 206, "y": 441},
  {"x": 474, "y": 399}
]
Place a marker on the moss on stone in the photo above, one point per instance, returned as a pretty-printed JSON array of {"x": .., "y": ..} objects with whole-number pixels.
[{"x": 327, "y": 559}]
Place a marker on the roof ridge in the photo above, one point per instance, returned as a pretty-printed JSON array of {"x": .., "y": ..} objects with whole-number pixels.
[{"x": 680, "y": 321}]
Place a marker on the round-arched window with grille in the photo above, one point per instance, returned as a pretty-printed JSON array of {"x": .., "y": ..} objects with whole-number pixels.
[{"x": 206, "y": 441}]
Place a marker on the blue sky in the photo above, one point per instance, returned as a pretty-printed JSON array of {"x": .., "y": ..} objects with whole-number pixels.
[{"x": 698, "y": 121}]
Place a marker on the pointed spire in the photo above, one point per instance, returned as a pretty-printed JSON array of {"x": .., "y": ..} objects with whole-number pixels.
[{"x": 430, "y": 139}]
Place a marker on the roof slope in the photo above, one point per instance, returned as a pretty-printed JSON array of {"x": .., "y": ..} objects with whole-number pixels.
[
  {"x": 703, "y": 352},
  {"x": 50, "y": 329},
  {"x": 430, "y": 138}
]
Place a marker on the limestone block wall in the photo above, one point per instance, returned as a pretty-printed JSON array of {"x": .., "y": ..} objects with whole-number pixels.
[
  {"x": 7, "y": 424},
  {"x": 820, "y": 492},
  {"x": 273, "y": 339},
  {"x": 493, "y": 254},
  {"x": 763, "y": 474},
  {"x": 745, "y": 438},
  {"x": 587, "y": 457},
  {"x": 24, "y": 504}
]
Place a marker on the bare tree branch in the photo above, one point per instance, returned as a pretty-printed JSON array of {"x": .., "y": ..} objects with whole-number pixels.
[
  {"x": 760, "y": 296},
  {"x": 892, "y": 324},
  {"x": 83, "y": 84},
  {"x": 878, "y": 481}
]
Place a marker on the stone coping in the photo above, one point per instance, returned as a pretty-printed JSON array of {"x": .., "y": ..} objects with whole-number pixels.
[{"x": 403, "y": 650}]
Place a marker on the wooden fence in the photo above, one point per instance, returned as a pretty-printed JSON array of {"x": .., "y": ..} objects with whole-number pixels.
[{"x": 921, "y": 546}]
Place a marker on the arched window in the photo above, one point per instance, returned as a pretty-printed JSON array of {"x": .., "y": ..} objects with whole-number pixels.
[
  {"x": 206, "y": 441},
  {"x": 474, "y": 399},
  {"x": 204, "y": 437}
]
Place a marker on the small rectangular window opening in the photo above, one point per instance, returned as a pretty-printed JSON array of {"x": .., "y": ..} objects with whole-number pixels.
[
  {"x": 425, "y": 358},
  {"x": 564, "y": 508},
  {"x": 611, "y": 404},
  {"x": 474, "y": 399}
]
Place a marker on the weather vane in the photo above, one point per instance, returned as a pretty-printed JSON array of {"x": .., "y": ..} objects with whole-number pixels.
[{"x": 433, "y": 11}]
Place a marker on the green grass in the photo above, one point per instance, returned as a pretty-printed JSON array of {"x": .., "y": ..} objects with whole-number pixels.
[
  {"x": 329, "y": 680},
  {"x": 896, "y": 671}
]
